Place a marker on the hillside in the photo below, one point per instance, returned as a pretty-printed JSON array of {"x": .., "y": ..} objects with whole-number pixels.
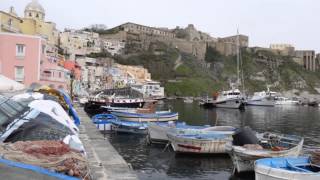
[{"x": 192, "y": 77}]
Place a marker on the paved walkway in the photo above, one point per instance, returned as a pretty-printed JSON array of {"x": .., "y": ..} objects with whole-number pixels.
[{"x": 104, "y": 160}]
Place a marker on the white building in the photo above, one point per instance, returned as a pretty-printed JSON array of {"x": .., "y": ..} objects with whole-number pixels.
[
  {"x": 80, "y": 42},
  {"x": 150, "y": 89},
  {"x": 113, "y": 46}
]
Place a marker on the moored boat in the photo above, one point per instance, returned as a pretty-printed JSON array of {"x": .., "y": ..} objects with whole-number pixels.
[
  {"x": 231, "y": 99},
  {"x": 210, "y": 140},
  {"x": 157, "y": 131},
  {"x": 283, "y": 101},
  {"x": 286, "y": 168},
  {"x": 129, "y": 127},
  {"x": 263, "y": 98},
  {"x": 248, "y": 147},
  {"x": 146, "y": 117},
  {"x": 103, "y": 121}
]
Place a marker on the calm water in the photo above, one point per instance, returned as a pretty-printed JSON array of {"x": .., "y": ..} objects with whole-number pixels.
[{"x": 152, "y": 162}]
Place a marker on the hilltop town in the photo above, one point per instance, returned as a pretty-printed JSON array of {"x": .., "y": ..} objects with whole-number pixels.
[{"x": 184, "y": 60}]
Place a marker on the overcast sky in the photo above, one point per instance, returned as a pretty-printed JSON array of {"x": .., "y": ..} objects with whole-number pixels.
[{"x": 265, "y": 21}]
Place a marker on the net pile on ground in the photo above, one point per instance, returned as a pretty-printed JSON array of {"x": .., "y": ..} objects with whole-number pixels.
[
  {"x": 315, "y": 157},
  {"x": 53, "y": 155}
]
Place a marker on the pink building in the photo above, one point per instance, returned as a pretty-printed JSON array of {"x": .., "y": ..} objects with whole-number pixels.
[{"x": 27, "y": 59}]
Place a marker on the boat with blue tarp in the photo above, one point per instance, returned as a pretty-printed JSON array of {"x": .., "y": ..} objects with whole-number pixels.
[{"x": 286, "y": 168}]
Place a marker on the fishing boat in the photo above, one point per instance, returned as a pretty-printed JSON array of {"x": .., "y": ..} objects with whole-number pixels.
[
  {"x": 129, "y": 127},
  {"x": 147, "y": 117},
  {"x": 157, "y": 131},
  {"x": 286, "y": 168},
  {"x": 231, "y": 99},
  {"x": 210, "y": 140},
  {"x": 263, "y": 98},
  {"x": 248, "y": 147},
  {"x": 283, "y": 101},
  {"x": 103, "y": 121}
]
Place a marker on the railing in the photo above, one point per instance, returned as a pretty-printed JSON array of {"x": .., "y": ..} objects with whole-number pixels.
[
  {"x": 48, "y": 77},
  {"x": 10, "y": 28}
]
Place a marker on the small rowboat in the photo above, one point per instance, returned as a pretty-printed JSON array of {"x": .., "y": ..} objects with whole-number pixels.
[
  {"x": 149, "y": 117},
  {"x": 289, "y": 168},
  {"x": 203, "y": 141},
  {"x": 268, "y": 145},
  {"x": 157, "y": 131},
  {"x": 103, "y": 121},
  {"x": 129, "y": 127}
]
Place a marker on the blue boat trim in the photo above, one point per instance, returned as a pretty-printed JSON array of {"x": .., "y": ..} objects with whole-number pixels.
[{"x": 36, "y": 169}]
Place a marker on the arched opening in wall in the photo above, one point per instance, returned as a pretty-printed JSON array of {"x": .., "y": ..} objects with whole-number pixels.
[
  {"x": 30, "y": 14},
  {"x": 37, "y": 15}
]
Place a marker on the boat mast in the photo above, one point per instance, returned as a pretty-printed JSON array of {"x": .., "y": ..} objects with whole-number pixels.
[{"x": 238, "y": 60}]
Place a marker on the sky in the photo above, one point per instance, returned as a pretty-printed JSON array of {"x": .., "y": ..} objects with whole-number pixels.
[{"x": 296, "y": 22}]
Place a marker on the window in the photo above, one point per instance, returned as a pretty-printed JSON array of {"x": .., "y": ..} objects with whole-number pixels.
[
  {"x": 59, "y": 74},
  {"x": 30, "y": 14},
  {"x": 10, "y": 22},
  {"x": 43, "y": 49},
  {"x": 37, "y": 15},
  {"x": 19, "y": 73},
  {"x": 20, "y": 50}
]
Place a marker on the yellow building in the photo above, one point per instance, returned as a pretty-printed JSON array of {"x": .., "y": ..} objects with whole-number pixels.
[
  {"x": 10, "y": 22},
  {"x": 33, "y": 23}
]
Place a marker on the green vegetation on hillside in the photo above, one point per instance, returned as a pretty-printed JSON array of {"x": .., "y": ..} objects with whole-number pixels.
[{"x": 194, "y": 77}]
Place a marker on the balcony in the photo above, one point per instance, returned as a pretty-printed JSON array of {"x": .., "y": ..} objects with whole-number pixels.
[
  {"x": 49, "y": 77},
  {"x": 10, "y": 28}
]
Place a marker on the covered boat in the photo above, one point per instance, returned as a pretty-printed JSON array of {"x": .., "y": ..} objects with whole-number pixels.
[
  {"x": 103, "y": 121},
  {"x": 248, "y": 146},
  {"x": 146, "y": 117},
  {"x": 157, "y": 131},
  {"x": 209, "y": 140},
  {"x": 286, "y": 168}
]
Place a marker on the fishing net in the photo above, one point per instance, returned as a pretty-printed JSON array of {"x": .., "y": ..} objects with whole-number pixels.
[
  {"x": 315, "y": 157},
  {"x": 52, "y": 155}
]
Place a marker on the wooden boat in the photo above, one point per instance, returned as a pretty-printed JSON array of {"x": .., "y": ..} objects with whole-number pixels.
[
  {"x": 287, "y": 168},
  {"x": 146, "y": 117},
  {"x": 209, "y": 140},
  {"x": 103, "y": 121},
  {"x": 157, "y": 131},
  {"x": 129, "y": 127},
  {"x": 268, "y": 145}
]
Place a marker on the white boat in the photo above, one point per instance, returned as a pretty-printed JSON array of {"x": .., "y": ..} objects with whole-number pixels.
[
  {"x": 147, "y": 117},
  {"x": 289, "y": 168},
  {"x": 157, "y": 131},
  {"x": 263, "y": 98},
  {"x": 188, "y": 100},
  {"x": 229, "y": 99},
  {"x": 283, "y": 101},
  {"x": 209, "y": 140},
  {"x": 269, "y": 145}
]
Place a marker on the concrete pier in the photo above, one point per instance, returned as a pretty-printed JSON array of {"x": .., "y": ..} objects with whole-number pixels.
[{"x": 104, "y": 161}]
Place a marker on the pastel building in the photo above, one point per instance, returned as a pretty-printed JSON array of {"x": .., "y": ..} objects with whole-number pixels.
[{"x": 24, "y": 58}]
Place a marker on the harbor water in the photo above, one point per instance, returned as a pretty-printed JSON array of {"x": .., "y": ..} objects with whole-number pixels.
[{"x": 156, "y": 162}]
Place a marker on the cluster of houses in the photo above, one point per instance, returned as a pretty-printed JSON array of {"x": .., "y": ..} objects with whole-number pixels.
[{"x": 32, "y": 50}]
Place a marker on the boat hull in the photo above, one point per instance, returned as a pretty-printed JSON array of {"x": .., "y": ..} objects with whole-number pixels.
[
  {"x": 155, "y": 117},
  {"x": 260, "y": 103},
  {"x": 243, "y": 159},
  {"x": 230, "y": 104},
  {"x": 129, "y": 129},
  {"x": 263, "y": 172},
  {"x": 198, "y": 146}
]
